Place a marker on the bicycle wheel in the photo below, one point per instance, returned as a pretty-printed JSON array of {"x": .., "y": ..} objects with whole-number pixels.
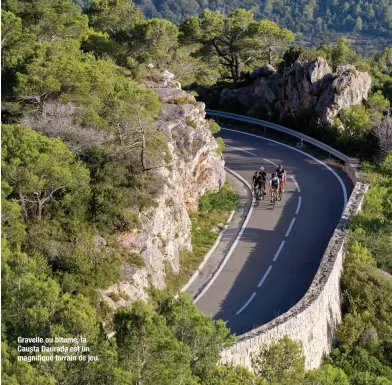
[
  {"x": 280, "y": 193},
  {"x": 273, "y": 199},
  {"x": 262, "y": 192},
  {"x": 256, "y": 195}
]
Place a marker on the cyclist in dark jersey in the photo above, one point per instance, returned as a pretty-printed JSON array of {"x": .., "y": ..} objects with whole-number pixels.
[
  {"x": 281, "y": 173},
  {"x": 263, "y": 176},
  {"x": 256, "y": 181}
]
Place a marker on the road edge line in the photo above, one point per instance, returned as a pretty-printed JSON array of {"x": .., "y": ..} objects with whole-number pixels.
[
  {"x": 208, "y": 255},
  {"x": 234, "y": 245}
]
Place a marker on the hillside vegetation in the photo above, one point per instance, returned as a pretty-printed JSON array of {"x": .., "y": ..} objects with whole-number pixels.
[
  {"x": 315, "y": 22},
  {"x": 77, "y": 150}
]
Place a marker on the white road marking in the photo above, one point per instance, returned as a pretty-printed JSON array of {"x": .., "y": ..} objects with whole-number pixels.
[
  {"x": 264, "y": 276},
  {"x": 279, "y": 250},
  {"x": 296, "y": 184},
  {"x": 233, "y": 246},
  {"x": 240, "y": 149},
  {"x": 251, "y": 209},
  {"x": 304, "y": 153},
  {"x": 269, "y": 161},
  {"x": 247, "y": 303},
  {"x": 290, "y": 227},
  {"x": 299, "y": 205}
]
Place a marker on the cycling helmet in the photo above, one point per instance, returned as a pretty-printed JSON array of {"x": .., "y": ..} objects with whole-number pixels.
[
  {"x": 280, "y": 166},
  {"x": 261, "y": 168},
  {"x": 273, "y": 174}
]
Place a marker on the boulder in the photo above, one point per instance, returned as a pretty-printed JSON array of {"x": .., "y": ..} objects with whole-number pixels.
[
  {"x": 301, "y": 87},
  {"x": 350, "y": 87},
  {"x": 264, "y": 71}
]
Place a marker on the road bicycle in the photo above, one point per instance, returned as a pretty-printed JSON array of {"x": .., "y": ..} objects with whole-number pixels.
[
  {"x": 262, "y": 191},
  {"x": 274, "y": 198},
  {"x": 280, "y": 189},
  {"x": 257, "y": 194}
]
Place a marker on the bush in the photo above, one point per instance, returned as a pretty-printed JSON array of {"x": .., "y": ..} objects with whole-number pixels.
[
  {"x": 114, "y": 296},
  {"x": 221, "y": 146},
  {"x": 282, "y": 362},
  {"x": 226, "y": 199},
  {"x": 135, "y": 259},
  {"x": 191, "y": 122},
  {"x": 213, "y": 126}
]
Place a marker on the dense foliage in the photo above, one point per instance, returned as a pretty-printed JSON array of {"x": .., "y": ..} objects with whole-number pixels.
[
  {"x": 235, "y": 41},
  {"x": 315, "y": 22},
  {"x": 365, "y": 350},
  {"x": 78, "y": 151}
]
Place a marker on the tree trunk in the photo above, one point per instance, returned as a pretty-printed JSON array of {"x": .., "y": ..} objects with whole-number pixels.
[
  {"x": 23, "y": 206},
  {"x": 270, "y": 55},
  {"x": 143, "y": 149},
  {"x": 233, "y": 72},
  {"x": 40, "y": 206},
  {"x": 237, "y": 67}
]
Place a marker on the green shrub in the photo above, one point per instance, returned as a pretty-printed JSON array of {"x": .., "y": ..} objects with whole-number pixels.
[
  {"x": 114, "y": 296},
  {"x": 124, "y": 296},
  {"x": 191, "y": 122},
  {"x": 134, "y": 259},
  {"x": 213, "y": 126},
  {"x": 204, "y": 203},
  {"x": 183, "y": 100},
  {"x": 221, "y": 146},
  {"x": 281, "y": 362},
  {"x": 226, "y": 199}
]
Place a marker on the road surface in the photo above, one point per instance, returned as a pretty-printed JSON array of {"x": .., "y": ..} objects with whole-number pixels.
[{"x": 279, "y": 251}]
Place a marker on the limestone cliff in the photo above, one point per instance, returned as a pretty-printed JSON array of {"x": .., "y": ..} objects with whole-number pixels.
[
  {"x": 196, "y": 167},
  {"x": 302, "y": 87}
]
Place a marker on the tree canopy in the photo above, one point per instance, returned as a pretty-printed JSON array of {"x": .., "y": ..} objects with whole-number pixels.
[
  {"x": 315, "y": 22},
  {"x": 235, "y": 41}
]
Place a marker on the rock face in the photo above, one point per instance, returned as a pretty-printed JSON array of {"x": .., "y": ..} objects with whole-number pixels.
[
  {"x": 308, "y": 86},
  {"x": 166, "y": 229}
]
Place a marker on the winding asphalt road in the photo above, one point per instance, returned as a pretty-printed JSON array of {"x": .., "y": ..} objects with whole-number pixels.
[{"x": 280, "y": 249}]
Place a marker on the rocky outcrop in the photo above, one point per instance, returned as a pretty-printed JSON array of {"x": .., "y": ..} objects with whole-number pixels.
[
  {"x": 166, "y": 229},
  {"x": 302, "y": 87}
]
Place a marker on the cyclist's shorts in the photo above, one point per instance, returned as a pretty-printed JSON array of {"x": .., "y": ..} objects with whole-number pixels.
[{"x": 274, "y": 186}]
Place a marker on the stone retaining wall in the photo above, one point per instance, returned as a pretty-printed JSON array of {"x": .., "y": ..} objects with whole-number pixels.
[{"x": 313, "y": 321}]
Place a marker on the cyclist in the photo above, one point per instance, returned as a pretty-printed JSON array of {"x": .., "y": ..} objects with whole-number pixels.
[
  {"x": 274, "y": 185},
  {"x": 263, "y": 176},
  {"x": 280, "y": 171},
  {"x": 256, "y": 181}
]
